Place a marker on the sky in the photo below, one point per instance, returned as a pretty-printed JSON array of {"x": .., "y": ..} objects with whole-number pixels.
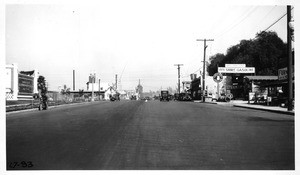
[{"x": 133, "y": 39}]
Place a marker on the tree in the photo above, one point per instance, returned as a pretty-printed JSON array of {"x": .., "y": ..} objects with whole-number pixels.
[
  {"x": 215, "y": 60},
  {"x": 81, "y": 93},
  {"x": 65, "y": 90},
  {"x": 271, "y": 53},
  {"x": 266, "y": 52},
  {"x": 42, "y": 85},
  {"x": 42, "y": 92}
]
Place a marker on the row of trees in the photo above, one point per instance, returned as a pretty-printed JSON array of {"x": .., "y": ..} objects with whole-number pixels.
[{"x": 266, "y": 52}]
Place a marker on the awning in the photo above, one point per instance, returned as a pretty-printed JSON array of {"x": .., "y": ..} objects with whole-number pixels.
[
  {"x": 274, "y": 83},
  {"x": 260, "y": 78}
]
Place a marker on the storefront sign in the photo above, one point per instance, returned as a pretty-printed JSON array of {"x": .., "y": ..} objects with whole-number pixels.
[
  {"x": 236, "y": 70},
  {"x": 282, "y": 74}
]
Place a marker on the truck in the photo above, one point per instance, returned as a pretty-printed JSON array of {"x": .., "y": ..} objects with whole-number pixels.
[{"x": 164, "y": 96}]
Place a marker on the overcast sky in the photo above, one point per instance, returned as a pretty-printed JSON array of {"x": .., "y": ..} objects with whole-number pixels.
[{"x": 136, "y": 40}]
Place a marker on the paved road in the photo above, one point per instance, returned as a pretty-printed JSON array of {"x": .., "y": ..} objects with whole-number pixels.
[{"x": 150, "y": 135}]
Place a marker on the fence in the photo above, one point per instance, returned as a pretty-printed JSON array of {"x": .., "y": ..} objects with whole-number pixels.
[{"x": 31, "y": 104}]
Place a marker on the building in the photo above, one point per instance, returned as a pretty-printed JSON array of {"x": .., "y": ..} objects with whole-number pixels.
[
  {"x": 196, "y": 89},
  {"x": 139, "y": 90},
  {"x": 273, "y": 89}
]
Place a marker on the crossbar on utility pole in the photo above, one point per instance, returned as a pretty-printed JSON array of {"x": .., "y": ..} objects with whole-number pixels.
[
  {"x": 203, "y": 79},
  {"x": 178, "y": 67}
]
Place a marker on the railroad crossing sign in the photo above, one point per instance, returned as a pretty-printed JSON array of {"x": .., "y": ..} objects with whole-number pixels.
[
  {"x": 230, "y": 96},
  {"x": 218, "y": 77}
]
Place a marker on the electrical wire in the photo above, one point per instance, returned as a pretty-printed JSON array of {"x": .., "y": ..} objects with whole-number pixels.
[
  {"x": 274, "y": 23},
  {"x": 264, "y": 17},
  {"x": 243, "y": 19}
]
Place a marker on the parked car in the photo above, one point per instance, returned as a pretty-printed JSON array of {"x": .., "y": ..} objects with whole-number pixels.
[{"x": 184, "y": 97}]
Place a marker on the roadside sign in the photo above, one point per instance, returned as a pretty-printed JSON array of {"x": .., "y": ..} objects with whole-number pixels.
[
  {"x": 218, "y": 77},
  {"x": 230, "y": 96},
  {"x": 236, "y": 70}
]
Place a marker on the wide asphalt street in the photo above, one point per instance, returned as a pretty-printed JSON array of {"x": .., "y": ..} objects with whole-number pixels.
[{"x": 139, "y": 135}]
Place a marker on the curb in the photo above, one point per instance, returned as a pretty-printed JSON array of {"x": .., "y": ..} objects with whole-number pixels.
[
  {"x": 214, "y": 103},
  {"x": 269, "y": 110}
]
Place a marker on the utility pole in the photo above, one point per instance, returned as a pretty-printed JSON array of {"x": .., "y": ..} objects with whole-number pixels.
[
  {"x": 73, "y": 80},
  {"x": 99, "y": 86},
  {"x": 99, "y": 90},
  {"x": 178, "y": 67},
  {"x": 203, "y": 79},
  {"x": 290, "y": 60},
  {"x": 116, "y": 81}
]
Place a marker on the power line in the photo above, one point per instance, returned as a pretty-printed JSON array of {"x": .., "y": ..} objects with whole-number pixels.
[
  {"x": 276, "y": 21},
  {"x": 265, "y": 17},
  {"x": 237, "y": 23},
  {"x": 234, "y": 21},
  {"x": 191, "y": 73}
]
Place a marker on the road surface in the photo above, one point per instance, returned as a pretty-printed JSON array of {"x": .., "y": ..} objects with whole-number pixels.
[{"x": 153, "y": 135}]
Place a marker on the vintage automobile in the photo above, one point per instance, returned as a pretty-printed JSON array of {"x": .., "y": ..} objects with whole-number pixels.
[{"x": 164, "y": 96}]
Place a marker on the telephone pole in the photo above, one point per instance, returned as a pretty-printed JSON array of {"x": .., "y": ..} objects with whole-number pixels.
[
  {"x": 116, "y": 81},
  {"x": 290, "y": 61},
  {"x": 178, "y": 67},
  {"x": 73, "y": 80},
  {"x": 203, "y": 79}
]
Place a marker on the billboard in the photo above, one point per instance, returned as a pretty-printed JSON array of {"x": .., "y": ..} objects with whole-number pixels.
[{"x": 25, "y": 84}]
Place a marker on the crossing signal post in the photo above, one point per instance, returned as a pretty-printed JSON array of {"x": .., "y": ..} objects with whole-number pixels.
[{"x": 218, "y": 77}]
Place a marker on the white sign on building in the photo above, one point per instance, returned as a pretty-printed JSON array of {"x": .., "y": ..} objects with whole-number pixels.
[
  {"x": 236, "y": 70},
  {"x": 235, "y": 65}
]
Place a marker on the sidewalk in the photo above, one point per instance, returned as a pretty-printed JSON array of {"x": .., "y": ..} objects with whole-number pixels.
[
  {"x": 276, "y": 109},
  {"x": 244, "y": 104}
]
